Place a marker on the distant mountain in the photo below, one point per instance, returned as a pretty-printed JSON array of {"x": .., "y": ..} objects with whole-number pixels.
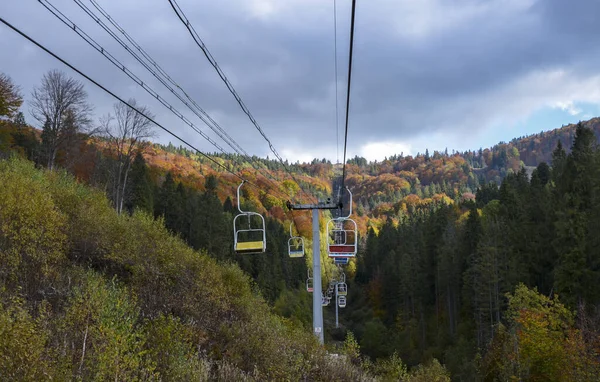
[
  {"x": 399, "y": 184},
  {"x": 381, "y": 188}
]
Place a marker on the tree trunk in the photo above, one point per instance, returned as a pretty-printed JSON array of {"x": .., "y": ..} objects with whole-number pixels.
[
  {"x": 123, "y": 189},
  {"x": 51, "y": 159},
  {"x": 83, "y": 348}
]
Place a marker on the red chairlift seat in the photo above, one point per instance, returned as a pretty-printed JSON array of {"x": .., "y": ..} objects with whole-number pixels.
[{"x": 342, "y": 235}]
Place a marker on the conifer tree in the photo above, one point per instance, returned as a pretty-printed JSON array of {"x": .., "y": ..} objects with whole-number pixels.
[
  {"x": 142, "y": 188},
  {"x": 10, "y": 97}
]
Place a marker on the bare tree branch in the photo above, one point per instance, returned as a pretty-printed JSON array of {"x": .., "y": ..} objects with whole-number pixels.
[
  {"x": 126, "y": 137},
  {"x": 60, "y": 105}
]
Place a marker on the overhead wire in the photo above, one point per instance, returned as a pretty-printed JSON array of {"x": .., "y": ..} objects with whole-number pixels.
[
  {"x": 63, "y": 18},
  {"x": 147, "y": 56},
  {"x": 121, "y": 99},
  {"x": 155, "y": 64},
  {"x": 337, "y": 113},
  {"x": 182, "y": 17},
  {"x": 273, "y": 186},
  {"x": 337, "y": 124},
  {"x": 163, "y": 78},
  {"x": 349, "y": 83}
]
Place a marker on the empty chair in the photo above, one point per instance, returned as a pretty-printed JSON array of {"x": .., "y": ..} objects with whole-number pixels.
[
  {"x": 295, "y": 245},
  {"x": 342, "y": 289},
  {"x": 248, "y": 230},
  {"x": 342, "y": 235},
  {"x": 331, "y": 287},
  {"x": 342, "y": 301},
  {"x": 309, "y": 285}
]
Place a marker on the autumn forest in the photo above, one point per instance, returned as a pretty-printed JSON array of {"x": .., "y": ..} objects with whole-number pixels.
[{"x": 117, "y": 261}]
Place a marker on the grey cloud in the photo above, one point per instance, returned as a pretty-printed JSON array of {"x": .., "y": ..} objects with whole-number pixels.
[{"x": 404, "y": 85}]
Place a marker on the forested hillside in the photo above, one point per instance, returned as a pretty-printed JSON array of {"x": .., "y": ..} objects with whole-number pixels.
[
  {"x": 88, "y": 294},
  {"x": 480, "y": 265}
]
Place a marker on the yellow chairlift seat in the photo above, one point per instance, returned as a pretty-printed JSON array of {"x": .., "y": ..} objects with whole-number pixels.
[
  {"x": 256, "y": 230},
  {"x": 295, "y": 249},
  {"x": 249, "y": 247},
  {"x": 295, "y": 245}
]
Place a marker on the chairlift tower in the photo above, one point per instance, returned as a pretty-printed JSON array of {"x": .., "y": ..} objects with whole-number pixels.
[{"x": 317, "y": 288}]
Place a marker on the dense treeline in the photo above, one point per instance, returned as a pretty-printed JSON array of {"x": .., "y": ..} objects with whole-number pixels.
[
  {"x": 88, "y": 294},
  {"x": 97, "y": 288},
  {"x": 117, "y": 165},
  {"x": 205, "y": 223},
  {"x": 458, "y": 256},
  {"x": 437, "y": 282}
]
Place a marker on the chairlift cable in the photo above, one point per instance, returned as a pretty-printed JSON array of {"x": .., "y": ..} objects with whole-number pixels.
[
  {"x": 186, "y": 22},
  {"x": 63, "y": 18},
  {"x": 162, "y": 76},
  {"x": 337, "y": 134},
  {"x": 348, "y": 92},
  {"x": 117, "y": 97}
]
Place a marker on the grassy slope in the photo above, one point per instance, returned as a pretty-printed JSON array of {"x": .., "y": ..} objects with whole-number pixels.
[{"x": 88, "y": 294}]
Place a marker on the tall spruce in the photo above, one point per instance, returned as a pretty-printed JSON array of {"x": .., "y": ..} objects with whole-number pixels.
[{"x": 142, "y": 187}]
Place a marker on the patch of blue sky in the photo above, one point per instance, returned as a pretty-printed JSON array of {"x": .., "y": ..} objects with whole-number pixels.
[{"x": 544, "y": 119}]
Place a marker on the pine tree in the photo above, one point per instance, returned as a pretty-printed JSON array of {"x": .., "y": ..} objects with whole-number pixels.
[
  {"x": 228, "y": 206},
  {"x": 214, "y": 231},
  {"x": 47, "y": 143},
  {"x": 10, "y": 97},
  {"x": 19, "y": 120},
  {"x": 576, "y": 274},
  {"x": 142, "y": 188},
  {"x": 170, "y": 204}
]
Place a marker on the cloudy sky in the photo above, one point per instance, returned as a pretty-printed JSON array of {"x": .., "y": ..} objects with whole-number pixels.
[{"x": 456, "y": 74}]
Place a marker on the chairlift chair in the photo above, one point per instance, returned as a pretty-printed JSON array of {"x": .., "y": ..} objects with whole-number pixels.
[
  {"x": 341, "y": 260},
  {"x": 342, "y": 235},
  {"x": 342, "y": 301},
  {"x": 295, "y": 245},
  {"x": 309, "y": 285},
  {"x": 252, "y": 239},
  {"x": 325, "y": 300},
  {"x": 342, "y": 289},
  {"x": 309, "y": 282},
  {"x": 331, "y": 287}
]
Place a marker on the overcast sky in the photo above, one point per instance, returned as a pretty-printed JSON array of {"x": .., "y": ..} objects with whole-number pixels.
[{"x": 460, "y": 74}]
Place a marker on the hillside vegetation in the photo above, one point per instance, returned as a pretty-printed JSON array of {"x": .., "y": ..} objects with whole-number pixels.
[
  {"x": 88, "y": 294},
  {"x": 118, "y": 263}
]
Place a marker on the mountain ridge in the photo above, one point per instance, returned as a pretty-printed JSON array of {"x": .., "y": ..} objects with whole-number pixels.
[{"x": 397, "y": 185}]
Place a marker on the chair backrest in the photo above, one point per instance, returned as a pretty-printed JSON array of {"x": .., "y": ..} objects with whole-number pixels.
[
  {"x": 309, "y": 284},
  {"x": 296, "y": 246},
  {"x": 342, "y": 237},
  {"x": 255, "y": 240}
]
